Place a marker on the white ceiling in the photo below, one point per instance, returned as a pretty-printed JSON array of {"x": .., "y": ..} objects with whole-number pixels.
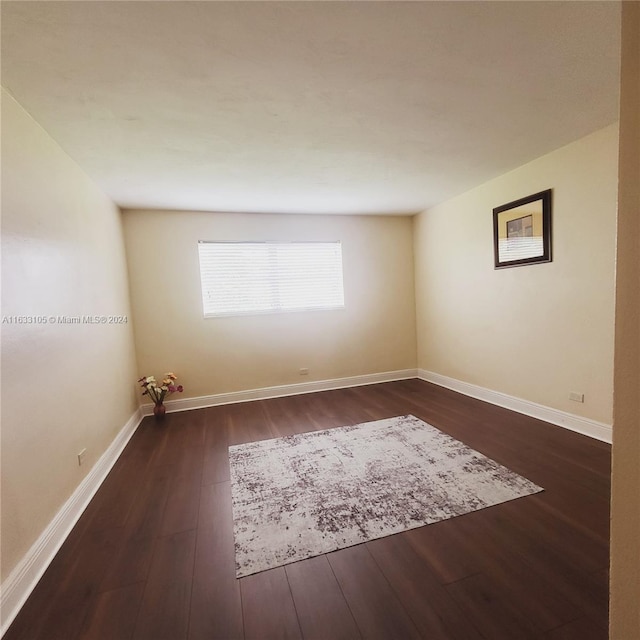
[{"x": 309, "y": 107}]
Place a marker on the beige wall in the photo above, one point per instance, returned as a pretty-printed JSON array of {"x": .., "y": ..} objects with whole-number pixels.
[
  {"x": 374, "y": 333},
  {"x": 625, "y": 492},
  {"x": 64, "y": 387},
  {"x": 535, "y": 332}
]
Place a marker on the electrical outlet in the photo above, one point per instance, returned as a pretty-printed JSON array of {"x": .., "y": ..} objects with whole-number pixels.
[
  {"x": 304, "y": 371},
  {"x": 576, "y": 397},
  {"x": 81, "y": 456}
]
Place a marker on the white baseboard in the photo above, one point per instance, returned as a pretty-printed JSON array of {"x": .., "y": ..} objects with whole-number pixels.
[
  {"x": 21, "y": 581},
  {"x": 585, "y": 426},
  {"x": 283, "y": 390}
]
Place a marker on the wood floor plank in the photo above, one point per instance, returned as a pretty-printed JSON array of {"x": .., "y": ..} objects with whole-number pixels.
[
  {"x": 216, "y": 447},
  {"x": 492, "y": 609},
  {"x": 321, "y": 608},
  {"x": 183, "y": 503},
  {"x": 320, "y": 410},
  {"x": 285, "y": 419},
  {"x": 268, "y": 610},
  {"x": 558, "y": 551},
  {"x": 216, "y": 607},
  {"x": 537, "y": 594},
  {"x": 145, "y": 516},
  {"x": 580, "y": 629},
  {"x": 114, "y": 614},
  {"x": 442, "y": 546},
  {"x": 130, "y": 562},
  {"x": 248, "y": 423},
  {"x": 185, "y": 429},
  {"x": 75, "y": 586},
  {"x": 374, "y": 605},
  {"x": 532, "y": 518},
  {"x": 115, "y": 498},
  {"x": 164, "y": 612},
  {"x": 432, "y": 609}
]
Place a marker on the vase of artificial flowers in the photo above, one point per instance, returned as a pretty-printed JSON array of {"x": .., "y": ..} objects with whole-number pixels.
[{"x": 158, "y": 392}]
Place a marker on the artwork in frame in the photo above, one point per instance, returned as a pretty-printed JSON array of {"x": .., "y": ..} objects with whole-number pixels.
[{"x": 522, "y": 231}]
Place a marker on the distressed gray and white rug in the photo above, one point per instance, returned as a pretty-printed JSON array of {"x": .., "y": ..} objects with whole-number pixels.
[{"x": 308, "y": 494}]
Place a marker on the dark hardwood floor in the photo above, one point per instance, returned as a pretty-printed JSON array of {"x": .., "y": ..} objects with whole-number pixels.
[{"x": 152, "y": 556}]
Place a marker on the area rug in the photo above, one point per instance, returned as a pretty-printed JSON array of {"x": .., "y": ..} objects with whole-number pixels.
[{"x": 308, "y": 494}]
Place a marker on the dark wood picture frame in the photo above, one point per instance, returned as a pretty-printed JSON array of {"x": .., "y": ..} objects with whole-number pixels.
[{"x": 522, "y": 231}]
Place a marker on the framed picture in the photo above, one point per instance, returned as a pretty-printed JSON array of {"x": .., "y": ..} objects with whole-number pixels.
[{"x": 522, "y": 231}]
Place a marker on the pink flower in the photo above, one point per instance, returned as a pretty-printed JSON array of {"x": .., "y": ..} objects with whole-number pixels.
[{"x": 179, "y": 388}]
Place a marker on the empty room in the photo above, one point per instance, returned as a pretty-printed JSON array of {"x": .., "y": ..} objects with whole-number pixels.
[{"x": 320, "y": 320}]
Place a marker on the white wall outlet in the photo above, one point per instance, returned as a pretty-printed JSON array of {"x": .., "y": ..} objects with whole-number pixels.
[
  {"x": 81, "y": 456},
  {"x": 304, "y": 371},
  {"x": 576, "y": 397}
]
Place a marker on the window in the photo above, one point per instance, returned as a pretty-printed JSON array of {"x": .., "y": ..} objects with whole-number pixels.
[{"x": 261, "y": 277}]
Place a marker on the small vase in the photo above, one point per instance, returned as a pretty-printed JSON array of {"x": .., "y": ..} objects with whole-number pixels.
[{"x": 159, "y": 410}]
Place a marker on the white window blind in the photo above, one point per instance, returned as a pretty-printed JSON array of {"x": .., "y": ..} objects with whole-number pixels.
[
  {"x": 260, "y": 277},
  {"x": 520, "y": 248}
]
